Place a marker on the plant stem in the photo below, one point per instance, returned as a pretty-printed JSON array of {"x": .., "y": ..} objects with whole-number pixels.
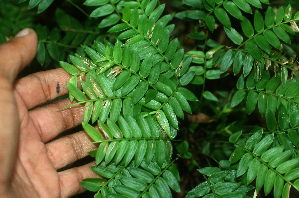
[{"x": 81, "y": 10}]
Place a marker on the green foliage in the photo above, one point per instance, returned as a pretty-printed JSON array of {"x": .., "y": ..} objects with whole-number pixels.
[
  {"x": 133, "y": 90},
  {"x": 67, "y": 37},
  {"x": 140, "y": 83},
  {"x": 13, "y": 18},
  {"x": 271, "y": 165}
]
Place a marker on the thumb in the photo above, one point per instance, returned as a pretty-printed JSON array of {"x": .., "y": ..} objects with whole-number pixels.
[
  {"x": 14, "y": 56},
  {"x": 17, "y": 53}
]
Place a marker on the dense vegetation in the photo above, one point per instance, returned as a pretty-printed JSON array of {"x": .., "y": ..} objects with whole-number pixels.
[{"x": 195, "y": 98}]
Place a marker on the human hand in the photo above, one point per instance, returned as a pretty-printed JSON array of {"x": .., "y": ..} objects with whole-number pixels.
[{"x": 29, "y": 160}]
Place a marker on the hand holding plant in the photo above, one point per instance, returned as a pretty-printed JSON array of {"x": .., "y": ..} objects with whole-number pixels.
[{"x": 29, "y": 160}]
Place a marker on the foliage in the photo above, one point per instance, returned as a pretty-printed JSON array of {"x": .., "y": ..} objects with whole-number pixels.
[
  {"x": 13, "y": 18},
  {"x": 140, "y": 85}
]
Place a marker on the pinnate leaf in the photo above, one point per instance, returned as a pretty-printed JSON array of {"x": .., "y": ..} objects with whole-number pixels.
[
  {"x": 69, "y": 68},
  {"x": 247, "y": 27},
  {"x": 279, "y": 15},
  {"x": 93, "y": 133},
  {"x": 93, "y": 184},
  {"x": 95, "y": 2},
  {"x": 262, "y": 42},
  {"x": 272, "y": 39},
  {"x": 227, "y": 61},
  {"x": 222, "y": 17},
  {"x": 210, "y": 22},
  {"x": 44, "y": 4},
  {"x": 255, "y": 3},
  {"x": 110, "y": 20},
  {"x": 238, "y": 97},
  {"x": 243, "y": 5},
  {"x": 258, "y": 21},
  {"x": 76, "y": 92},
  {"x": 244, "y": 164},
  {"x": 263, "y": 145},
  {"x": 209, "y": 96},
  {"x": 253, "y": 50},
  {"x": 232, "y": 9},
  {"x": 269, "y": 17},
  {"x": 234, "y": 35},
  {"x": 102, "y": 11},
  {"x": 282, "y": 34}
]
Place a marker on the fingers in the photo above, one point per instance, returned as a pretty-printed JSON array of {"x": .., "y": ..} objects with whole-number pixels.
[
  {"x": 50, "y": 122},
  {"x": 42, "y": 87},
  {"x": 70, "y": 179},
  {"x": 69, "y": 149},
  {"x": 17, "y": 53}
]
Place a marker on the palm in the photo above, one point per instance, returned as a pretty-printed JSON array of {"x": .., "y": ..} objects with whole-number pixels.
[{"x": 33, "y": 164}]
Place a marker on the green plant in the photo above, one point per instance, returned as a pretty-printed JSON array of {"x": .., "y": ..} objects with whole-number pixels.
[{"x": 137, "y": 81}]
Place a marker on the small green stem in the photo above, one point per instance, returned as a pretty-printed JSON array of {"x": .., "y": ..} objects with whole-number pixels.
[
  {"x": 133, "y": 138},
  {"x": 114, "y": 7},
  {"x": 80, "y": 31},
  {"x": 81, "y": 10},
  {"x": 60, "y": 44}
]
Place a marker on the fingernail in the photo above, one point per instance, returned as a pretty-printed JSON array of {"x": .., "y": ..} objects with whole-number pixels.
[{"x": 24, "y": 32}]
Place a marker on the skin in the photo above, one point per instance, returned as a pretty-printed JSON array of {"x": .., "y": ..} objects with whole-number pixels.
[{"x": 29, "y": 157}]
